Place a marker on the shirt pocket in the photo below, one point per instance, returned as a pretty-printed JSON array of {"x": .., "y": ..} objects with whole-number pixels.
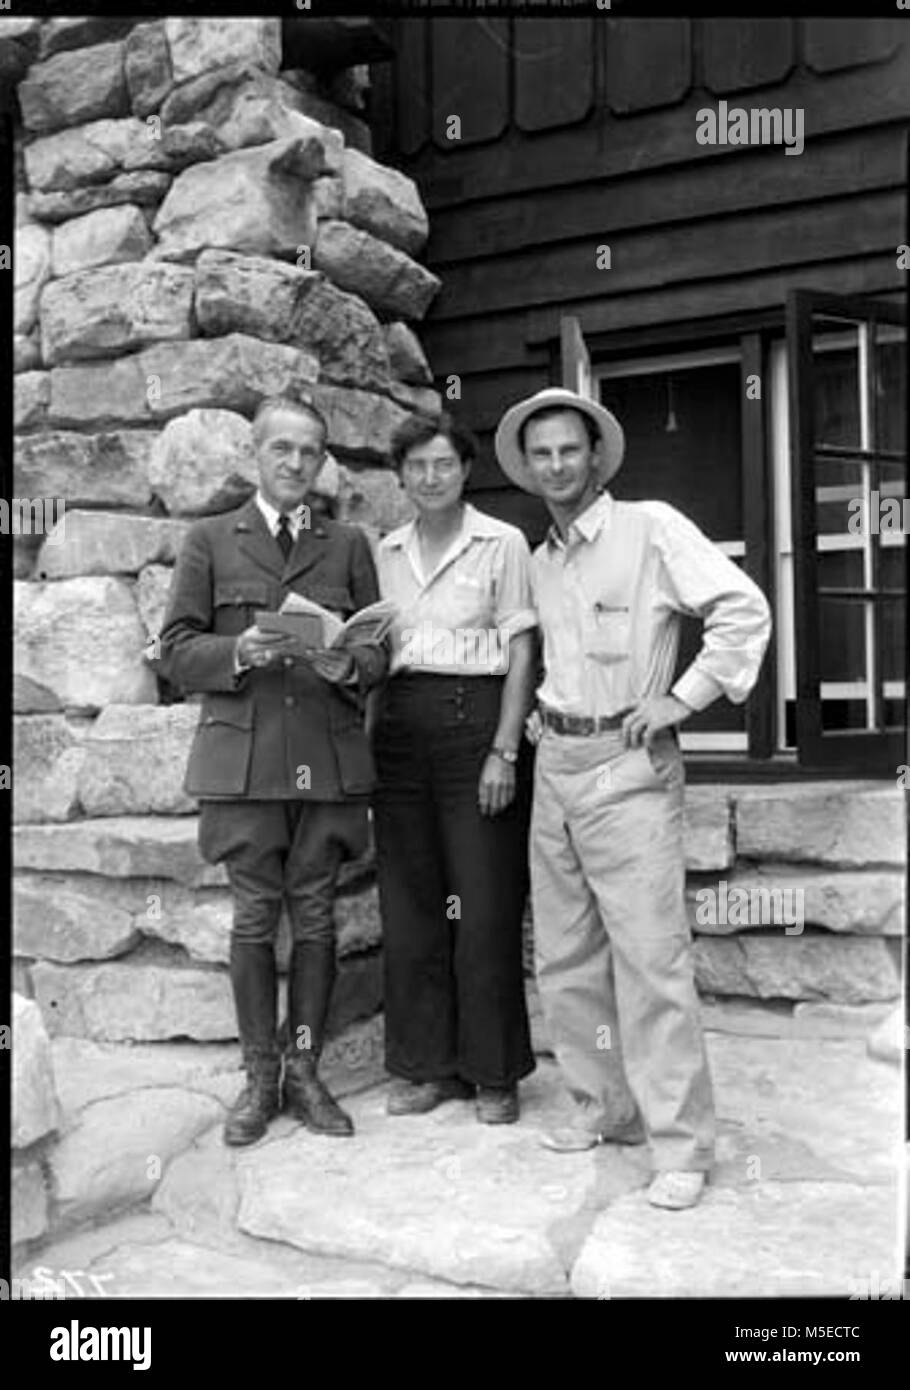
[
  {"x": 469, "y": 601},
  {"x": 236, "y": 602},
  {"x": 607, "y": 632}
]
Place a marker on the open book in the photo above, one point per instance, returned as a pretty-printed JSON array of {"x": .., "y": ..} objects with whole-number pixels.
[{"x": 317, "y": 628}]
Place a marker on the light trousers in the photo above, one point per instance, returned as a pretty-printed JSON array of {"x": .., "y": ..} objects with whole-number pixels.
[{"x": 613, "y": 947}]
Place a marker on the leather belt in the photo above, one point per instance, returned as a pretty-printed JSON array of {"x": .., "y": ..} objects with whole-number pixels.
[{"x": 580, "y": 724}]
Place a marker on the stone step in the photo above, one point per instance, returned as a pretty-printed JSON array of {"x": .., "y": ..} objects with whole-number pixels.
[
  {"x": 97, "y": 918},
  {"x": 142, "y": 1256},
  {"x": 158, "y": 846},
  {"x": 822, "y": 966},
  {"x": 786, "y": 1240},
  {"x": 790, "y": 897},
  {"x": 414, "y": 1205},
  {"x": 848, "y": 823},
  {"x": 156, "y": 995}
]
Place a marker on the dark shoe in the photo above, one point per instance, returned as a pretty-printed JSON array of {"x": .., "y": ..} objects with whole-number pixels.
[
  {"x": 417, "y": 1097},
  {"x": 497, "y": 1105},
  {"x": 249, "y": 1116},
  {"x": 305, "y": 1098}
]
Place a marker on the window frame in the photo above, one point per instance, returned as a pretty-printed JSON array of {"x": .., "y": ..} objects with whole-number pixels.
[
  {"x": 855, "y": 750},
  {"x": 752, "y": 335}
]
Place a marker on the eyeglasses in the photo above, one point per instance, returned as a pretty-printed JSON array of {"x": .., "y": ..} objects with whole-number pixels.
[{"x": 418, "y": 468}]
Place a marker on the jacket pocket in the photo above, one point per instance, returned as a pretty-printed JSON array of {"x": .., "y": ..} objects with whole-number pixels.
[
  {"x": 336, "y": 597},
  {"x": 354, "y": 755},
  {"x": 235, "y": 604},
  {"x": 220, "y": 756}
]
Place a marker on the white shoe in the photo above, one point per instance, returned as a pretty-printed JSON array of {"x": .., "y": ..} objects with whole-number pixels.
[{"x": 676, "y": 1189}]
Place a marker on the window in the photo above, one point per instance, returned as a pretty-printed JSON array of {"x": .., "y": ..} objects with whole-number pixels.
[
  {"x": 778, "y": 484},
  {"x": 844, "y": 583}
]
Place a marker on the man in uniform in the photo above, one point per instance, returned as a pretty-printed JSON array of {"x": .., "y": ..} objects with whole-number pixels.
[
  {"x": 613, "y": 946},
  {"x": 280, "y": 761}
]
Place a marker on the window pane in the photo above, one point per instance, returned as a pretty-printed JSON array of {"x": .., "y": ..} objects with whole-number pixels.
[
  {"x": 894, "y": 613},
  {"x": 683, "y": 443},
  {"x": 843, "y": 641},
  {"x": 841, "y": 621},
  {"x": 838, "y": 483},
  {"x": 843, "y": 714},
  {"x": 890, "y": 386},
  {"x": 836, "y": 379}
]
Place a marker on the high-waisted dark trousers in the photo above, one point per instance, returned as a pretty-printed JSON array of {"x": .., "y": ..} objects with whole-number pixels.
[{"x": 452, "y": 885}]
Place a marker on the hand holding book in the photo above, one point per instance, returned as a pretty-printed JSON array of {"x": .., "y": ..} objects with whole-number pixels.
[{"x": 312, "y": 628}]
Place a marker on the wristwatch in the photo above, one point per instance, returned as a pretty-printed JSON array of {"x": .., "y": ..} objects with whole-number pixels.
[{"x": 508, "y": 755}]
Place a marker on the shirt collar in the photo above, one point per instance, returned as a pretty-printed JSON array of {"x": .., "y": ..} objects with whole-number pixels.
[
  {"x": 272, "y": 515},
  {"x": 473, "y": 523},
  {"x": 596, "y": 517}
]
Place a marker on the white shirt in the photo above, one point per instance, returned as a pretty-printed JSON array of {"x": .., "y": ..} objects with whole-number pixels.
[
  {"x": 610, "y": 599},
  {"x": 297, "y": 519},
  {"x": 459, "y": 619}
]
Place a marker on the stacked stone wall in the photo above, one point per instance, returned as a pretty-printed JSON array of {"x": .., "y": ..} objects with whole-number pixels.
[{"x": 196, "y": 228}]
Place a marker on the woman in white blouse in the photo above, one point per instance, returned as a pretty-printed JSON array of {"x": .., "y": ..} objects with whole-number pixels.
[{"x": 452, "y": 806}]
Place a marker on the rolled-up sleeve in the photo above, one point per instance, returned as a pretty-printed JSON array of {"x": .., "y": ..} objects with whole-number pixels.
[
  {"x": 514, "y": 603},
  {"x": 698, "y": 579}
]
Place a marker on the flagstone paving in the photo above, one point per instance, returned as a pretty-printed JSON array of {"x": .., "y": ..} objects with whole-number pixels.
[{"x": 803, "y": 1199}]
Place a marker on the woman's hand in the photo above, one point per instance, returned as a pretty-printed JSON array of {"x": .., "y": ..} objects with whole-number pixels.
[
  {"x": 534, "y": 727},
  {"x": 496, "y": 788}
]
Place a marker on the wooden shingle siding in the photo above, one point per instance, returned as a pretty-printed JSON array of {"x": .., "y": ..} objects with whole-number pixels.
[
  {"x": 412, "y": 98},
  {"x": 739, "y": 57},
  {"x": 753, "y": 241},
  {"x": 470, "y": 79},
  {"x": 649, "y": 63},
  {"x": 581, "y": 132},
  {"x": 859, "y": 161},
  {"x": 543, "y": 54},
  {"x": 609, "y": 147},
  {"x": 829, "y": 47}
]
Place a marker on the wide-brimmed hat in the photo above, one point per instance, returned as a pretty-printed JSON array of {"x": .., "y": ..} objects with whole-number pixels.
[{"x": 511, "y": 456}]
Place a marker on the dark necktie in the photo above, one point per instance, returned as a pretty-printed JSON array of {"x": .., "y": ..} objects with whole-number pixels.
[{"x": 283, "y": 536}]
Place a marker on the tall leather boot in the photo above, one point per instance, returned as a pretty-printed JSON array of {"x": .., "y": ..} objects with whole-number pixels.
[
  {"x": 310, "y": 980},
  {"x": 253, "y": 978}
]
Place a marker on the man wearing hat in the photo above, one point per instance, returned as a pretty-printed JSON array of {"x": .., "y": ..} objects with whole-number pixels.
[{"x": 613, "y": 947}]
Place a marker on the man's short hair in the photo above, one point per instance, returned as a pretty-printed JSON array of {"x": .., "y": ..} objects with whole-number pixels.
[
  {"x": 544, "y": 413},
  {"x": 272, "y": 404},
  {"x": 420, "y": 429}
]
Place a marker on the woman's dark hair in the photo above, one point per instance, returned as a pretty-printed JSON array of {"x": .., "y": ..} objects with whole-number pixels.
[{"x": 420, "y": 429}]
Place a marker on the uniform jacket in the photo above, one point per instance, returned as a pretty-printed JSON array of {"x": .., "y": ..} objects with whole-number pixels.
[{"x": 283, "y": 732}]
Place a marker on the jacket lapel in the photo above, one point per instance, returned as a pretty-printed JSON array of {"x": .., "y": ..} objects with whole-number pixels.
[
  {"x": 256, "y": 541},
  {"x": 311, "y": 546}
]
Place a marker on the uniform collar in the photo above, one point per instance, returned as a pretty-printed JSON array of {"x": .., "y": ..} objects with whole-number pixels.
[
  {"x": 272, "y": 516},
  {"x": 588, "y": 524}
]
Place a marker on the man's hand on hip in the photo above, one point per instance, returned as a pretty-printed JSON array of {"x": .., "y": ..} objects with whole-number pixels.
[{"x": 650, "y": 716}]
